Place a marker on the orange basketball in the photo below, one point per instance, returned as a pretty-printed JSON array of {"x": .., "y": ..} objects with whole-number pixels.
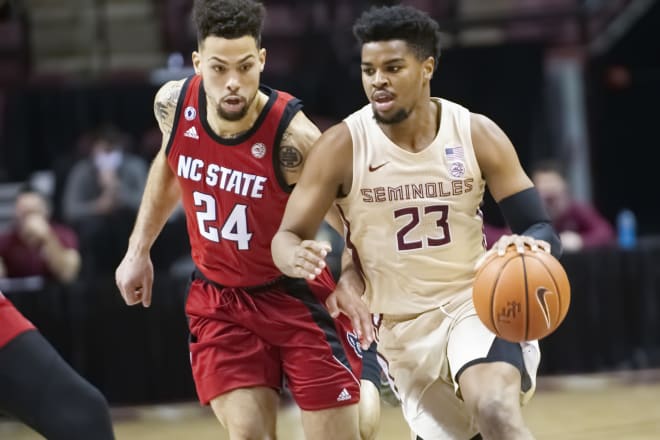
[{"x": 521, "y": 297}]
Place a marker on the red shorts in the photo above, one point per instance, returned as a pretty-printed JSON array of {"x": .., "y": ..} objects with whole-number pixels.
[
  {"x": 241, "y": 339},
  {"x": 12, "y": 323}
]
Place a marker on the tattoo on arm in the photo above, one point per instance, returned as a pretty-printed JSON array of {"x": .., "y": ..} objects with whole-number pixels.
[
  {"x": 296, "y": 143},
  {"x": 290, "y": 157},
  {"x": 165, "y": 105},
  {"x": 161, "y": 111}
]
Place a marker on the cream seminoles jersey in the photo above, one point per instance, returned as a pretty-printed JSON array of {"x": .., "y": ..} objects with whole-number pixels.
[{"x": 413, "y": 219}]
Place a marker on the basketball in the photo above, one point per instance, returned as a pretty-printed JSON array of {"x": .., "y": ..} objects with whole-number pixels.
[{"x": 521, "y": 296}]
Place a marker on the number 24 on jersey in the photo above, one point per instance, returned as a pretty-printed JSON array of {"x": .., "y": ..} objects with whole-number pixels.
[{"x": 234, "y": 228}]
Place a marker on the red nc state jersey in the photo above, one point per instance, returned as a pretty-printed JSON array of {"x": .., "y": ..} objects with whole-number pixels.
[{"x": 233, "y": 191}]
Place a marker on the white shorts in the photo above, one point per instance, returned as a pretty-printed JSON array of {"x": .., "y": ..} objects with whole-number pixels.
[{"x": 424, "y": 353}]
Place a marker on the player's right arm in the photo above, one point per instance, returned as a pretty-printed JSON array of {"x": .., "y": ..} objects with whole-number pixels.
[
  {"x": 324, "y": 176},
  {"x": 134, "y": 275},
  {"x": 327, "y": 174}
]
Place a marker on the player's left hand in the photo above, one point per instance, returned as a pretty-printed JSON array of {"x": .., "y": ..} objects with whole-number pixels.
[
  {"x": 351, "y": 305},
  {"x": 519, "y": 241},
  {"x": 309, "y": 259}
]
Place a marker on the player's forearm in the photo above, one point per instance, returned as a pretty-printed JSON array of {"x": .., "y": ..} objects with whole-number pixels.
[
  {"x": 282, "y": 248},
  {"x": 525, "y": 215},
  {"x": 161, "y": 195},
  {"x": 350, "y": 278}
]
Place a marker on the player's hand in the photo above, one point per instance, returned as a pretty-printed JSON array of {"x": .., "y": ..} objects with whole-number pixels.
[
  {"x": 519, "y": 241},
  {"x": 309, "y": 259},
  {"x": 351, "y": 305},
  {"x": 134, "y": 277}
]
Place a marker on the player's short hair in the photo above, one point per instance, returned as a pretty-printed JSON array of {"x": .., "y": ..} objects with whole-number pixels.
[
  {"x": 228, "y": 19},
  {"x": 416, "y": 28}
]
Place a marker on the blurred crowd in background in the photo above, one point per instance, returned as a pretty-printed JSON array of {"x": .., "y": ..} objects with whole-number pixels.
[{"x": 573, "y": 82}]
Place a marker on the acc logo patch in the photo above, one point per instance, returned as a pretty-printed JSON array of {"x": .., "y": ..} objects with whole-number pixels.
[
  {"x": 189, "y": 113},
  {"x": 258, "y": 150},
  {"x": 355, "y": 343},
  {"x": 457, "y": 169}
]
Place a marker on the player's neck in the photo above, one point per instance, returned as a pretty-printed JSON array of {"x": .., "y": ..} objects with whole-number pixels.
[
  {"x": 416, "y": 132},
  {"x": 231, "y": 129}
]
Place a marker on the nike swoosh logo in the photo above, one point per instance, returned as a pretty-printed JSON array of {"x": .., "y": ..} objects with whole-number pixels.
[
  {"x": 541, "y": 292},
  {"x": 374, "y": 168}
]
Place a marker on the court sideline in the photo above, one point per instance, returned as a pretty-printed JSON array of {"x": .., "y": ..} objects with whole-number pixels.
[{"x": 609, "y": 406}]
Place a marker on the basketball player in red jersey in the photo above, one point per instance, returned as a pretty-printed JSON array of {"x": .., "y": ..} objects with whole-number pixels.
[
  {"x": 40, "y": 389},
  {"x": 231, "y": 152}
]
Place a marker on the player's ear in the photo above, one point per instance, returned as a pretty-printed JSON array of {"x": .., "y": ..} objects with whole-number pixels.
[
  {"x": 428, "y": 66},
  {"x": 197, "y": 61},
  {"x": 262, "y": 59}
]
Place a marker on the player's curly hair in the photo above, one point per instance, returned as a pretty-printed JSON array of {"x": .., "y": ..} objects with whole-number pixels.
[
  {"x": 416, "y": 28},
  {"x": 228, "y": 19}
]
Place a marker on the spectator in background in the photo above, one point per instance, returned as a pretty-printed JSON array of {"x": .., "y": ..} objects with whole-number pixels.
[
  {"x": 35, "y": 246},
  {"x": 579, "y": 225},
  {"x": 101, "y": 197}
]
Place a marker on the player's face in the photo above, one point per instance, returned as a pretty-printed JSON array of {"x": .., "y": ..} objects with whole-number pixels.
[
  {"x": 393, "y": 79},
  {"x": 231, "y": 69}
]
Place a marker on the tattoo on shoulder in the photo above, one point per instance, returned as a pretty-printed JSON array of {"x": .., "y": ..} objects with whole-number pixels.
[
  {"x": 161, "y": 110},
  {"x": 165, "y": 104},
  {"x": 290, "y": 157}
]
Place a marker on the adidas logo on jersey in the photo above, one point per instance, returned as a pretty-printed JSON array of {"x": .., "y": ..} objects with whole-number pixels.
[
  {"x": 344, "y": 395},
  {"x": 191, "y": 133}
]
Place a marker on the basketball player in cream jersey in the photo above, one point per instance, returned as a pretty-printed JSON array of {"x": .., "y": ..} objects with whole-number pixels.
[{"x": 408, "y": 173}]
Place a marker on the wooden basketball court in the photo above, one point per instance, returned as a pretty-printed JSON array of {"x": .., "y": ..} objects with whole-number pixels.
[{"x": 624, "y": 405}]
